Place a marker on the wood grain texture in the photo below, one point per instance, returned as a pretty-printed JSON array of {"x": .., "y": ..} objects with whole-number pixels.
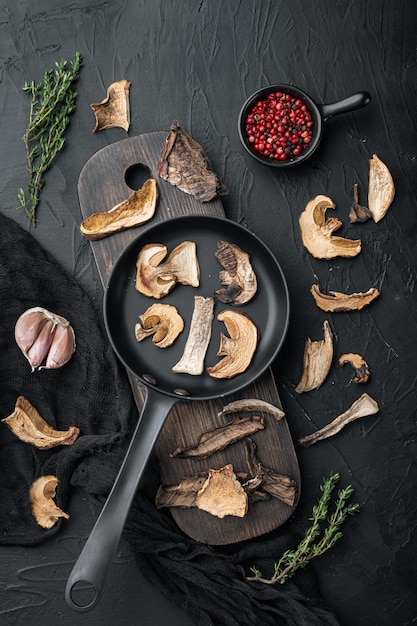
[{"x": 102, "y": 184}]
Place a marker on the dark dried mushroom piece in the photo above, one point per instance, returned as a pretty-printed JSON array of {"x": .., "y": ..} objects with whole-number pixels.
[
  {"x": 238, "y": 277},
  {"x": 362, "y": 407},
  {"x": 219, "y": 438},
  {"x": 361, "y": 367},
  {"x": 184, "y": 164},
  {"x": 358, "y": 212},
  {"x": 252, "y": 404},
  {"x": 182, "y": 495},
  {"x": 338, "y": 302},
  {"x": 277, "y": 485}
]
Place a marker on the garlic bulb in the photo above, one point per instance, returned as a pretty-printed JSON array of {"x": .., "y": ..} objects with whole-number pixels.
[{"x": 45, "y": 337}]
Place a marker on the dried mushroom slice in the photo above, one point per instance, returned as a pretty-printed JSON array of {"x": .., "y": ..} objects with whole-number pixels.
[
  {"x": 364, "y": 406},
  {"x": 114, "y": 110},
  {"x": 338, "y": 302},
  {"x": 222, "y": 494},
  {"x": 41, "y": 495},
  {"x": 137, "y": 209},
  {"x": 237, "y": 276},
  {"x": 163, "y": 322},
  {"x": 277, "y": 485},
  {"x": 26, "y": 423},
  {"x": 358, "y": 212},
  {"x": 183, "y": 495},
  {"x": 156, "y": 279},
  {"x": 318, "y": 357},
  {"x": 381, "y": 189},
  {"x": 361, "y": 367},
  {"x": 192, "y": 360},
  {"x": 184, "y": 164},
  {"x": 252, "y": 404},
  {"x": 317, "y": 232},
  {"x": 238, "y": 349}
]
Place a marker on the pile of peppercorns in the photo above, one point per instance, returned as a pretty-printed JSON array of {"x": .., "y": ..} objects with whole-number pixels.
[{"x": 279, "y": 127}]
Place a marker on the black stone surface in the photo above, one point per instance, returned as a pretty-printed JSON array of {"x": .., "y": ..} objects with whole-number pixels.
[{"x": 197, "y": 62}]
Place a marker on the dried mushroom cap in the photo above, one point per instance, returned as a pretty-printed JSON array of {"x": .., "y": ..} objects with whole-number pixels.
[
  {"x": 381, "y": 189},
  {"x": 318, "y": 357},
  {"x": 238, "y": 349},
  {"x": 362, "y": 371},
  {"x": 222, "y": 494},
  {"x": 237, "y": 276},
  {"x": 184, "y": 164},
  {"x": 156, "y": 279},
  {"x": 26, "y": 423},
  {"x": 114, "y": 110},
  {"x": 338, "y": 302},
  {"x": 138, "y": 208},
  {"x": 163, "y": 322},
  {"x": 317, "y": 232},
  {"x": 41, "y": 494},
  {"x": 192, "y": 360}
]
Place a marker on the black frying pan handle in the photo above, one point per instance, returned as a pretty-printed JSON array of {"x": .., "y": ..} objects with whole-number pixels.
[
  {"x": 356, "y": 101},
  {"x": 94, "y": 562}
]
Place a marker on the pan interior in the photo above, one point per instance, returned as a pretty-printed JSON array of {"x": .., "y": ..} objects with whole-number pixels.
[{"x": 269, "y": 309}]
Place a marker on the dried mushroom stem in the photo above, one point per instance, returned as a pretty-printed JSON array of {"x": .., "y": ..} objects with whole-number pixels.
[
  {"x": 318, "y": 357},
  {"x": 252, "y": 404},
  {"x": 364, "y": 406},
  {"x": 27, "y": 425},
  {"x": 338, "y": 302},
  {"x": 192, "y": 360}
]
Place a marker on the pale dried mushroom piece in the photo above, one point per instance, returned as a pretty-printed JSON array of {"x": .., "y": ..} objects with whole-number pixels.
[
  {"x": 156, "y": 279},
  {"x": 27, "y": 425},
  {"x": 381, "y": 189},
  {"x": 338, "y": 302},
  {"x": 221, "y": 437},
  {"x": 362, "y": 407},
  {"x": 137, "y": 209},
  {"x": 361, "y": 367},
  {"x": 318, "y": 357},
  {"x": 192, "y": 360},
  {"x": 114, "y": 110},
  {"x": 317, "y": 231},
  {"x": 252, "y": 404},
  {"x": 238, "y": 349},
  {"x": 237, "y": 276},
  {"x": 222, "y": 494},
  {"x": 184, "y": 164},
  {"x": 41, "y": 494},
  {"x": 162, "y": 322}
]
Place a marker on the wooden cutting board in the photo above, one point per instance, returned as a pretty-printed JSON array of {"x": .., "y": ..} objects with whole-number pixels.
[{"x": 102, "y": 184}]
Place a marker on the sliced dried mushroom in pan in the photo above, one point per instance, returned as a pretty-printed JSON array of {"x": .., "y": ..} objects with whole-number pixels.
[
  {"x": 238, "y": 349},
  {"x": 238, "y": 277},
  {"x": 192, "y": 360},
  {"x": 338, "y": 302},
  {"x": 162, "y": 322},
  {"x": 114, "y": 110},
  {"x": 318, "y": 357}
]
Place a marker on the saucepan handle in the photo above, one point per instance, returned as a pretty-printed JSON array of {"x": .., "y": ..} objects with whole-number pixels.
[
  {"x": 89, "y": 574},
  {"x": 356, "y": 101}
]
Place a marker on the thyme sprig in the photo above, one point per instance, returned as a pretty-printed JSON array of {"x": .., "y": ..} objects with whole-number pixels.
[
  {"x": 315, "y": 541},
  {"x": 52, "y": 102}
]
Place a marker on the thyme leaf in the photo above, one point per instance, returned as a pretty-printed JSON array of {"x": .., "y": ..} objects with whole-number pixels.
[
  {"x": 316, "y": 540},
  {"x": 52, "y": 102}
]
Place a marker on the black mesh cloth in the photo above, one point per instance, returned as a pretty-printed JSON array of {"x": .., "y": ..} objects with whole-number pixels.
[{"x": 93, "y": 393}]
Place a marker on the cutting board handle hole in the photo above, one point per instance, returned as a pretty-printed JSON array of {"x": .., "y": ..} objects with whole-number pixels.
[{"x": 136, "y": 175}]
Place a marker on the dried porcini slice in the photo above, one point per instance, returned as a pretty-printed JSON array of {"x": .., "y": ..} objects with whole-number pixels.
[
  {"x": 318, "y": 357},
  {"x": 238, "y": 349},
  {"x": 192, "y": 360},
  {"x": 222, "y": 494},
  {"x": 219, "y": 438},
  {"x": 338, "y": 302},
  {"x": 137, "y": 209},
  {"x": 276, "y": 485},
  {"x": 162, "y": 322},
  {"x": 317, "y": 231},
  {"x": 156, "y": 279},
  {"x": 182, "y": 495},
  {"x": 41, "y": 494},
  {"x": 362, "y": 407},
  {"x": 26, "y": 423},
  {"x": 114, "y": 110},
  {"x": 381, "y": 189},
  {"x": 361, "y": 367},
  {"x": 358, "y": 212},
  {"x": 252, "y": 404},
  {"x": 184, "y": 164},
  {"x": 237, "y": 276}
]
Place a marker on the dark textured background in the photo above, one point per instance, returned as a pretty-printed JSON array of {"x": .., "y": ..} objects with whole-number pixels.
[{"x": 197, "y": 62}]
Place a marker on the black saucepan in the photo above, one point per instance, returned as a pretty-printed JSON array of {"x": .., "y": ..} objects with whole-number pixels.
[
  {"x": 320, "y": 113},
  {"x": 269, "y": 310}
]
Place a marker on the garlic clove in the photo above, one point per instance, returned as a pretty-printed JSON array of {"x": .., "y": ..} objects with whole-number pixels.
[
  {"x": 40, "y": 348},
  {"x": 28, "y": 327},
  {"x": 61, "y": 349}
]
